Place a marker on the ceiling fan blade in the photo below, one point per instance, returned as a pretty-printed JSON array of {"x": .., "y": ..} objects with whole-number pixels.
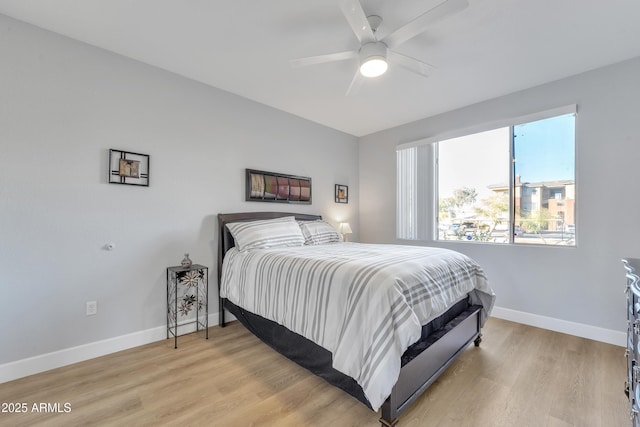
[
  {"x": 422, "y": 22},
  {"x": 320, "y": 59},
  {"x": 356, "y": 82},
  {"x": 356, "y": 17},
  {"x": 411, "y": 64}
]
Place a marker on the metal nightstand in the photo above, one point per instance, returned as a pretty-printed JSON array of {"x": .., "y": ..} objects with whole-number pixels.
[{"x": 187, "y": 294}]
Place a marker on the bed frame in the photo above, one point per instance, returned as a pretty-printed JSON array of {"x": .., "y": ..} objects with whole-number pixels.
[{"x": 422, "y": 364}]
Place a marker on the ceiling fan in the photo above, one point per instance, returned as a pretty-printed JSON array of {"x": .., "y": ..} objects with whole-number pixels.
[{"x": 374, "y": 54}]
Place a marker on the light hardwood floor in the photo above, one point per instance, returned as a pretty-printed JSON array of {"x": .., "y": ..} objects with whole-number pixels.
[{"x": 519, "y": 376}]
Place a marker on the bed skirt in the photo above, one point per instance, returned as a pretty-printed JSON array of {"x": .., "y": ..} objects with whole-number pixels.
[{"x": 319, "y": 360}]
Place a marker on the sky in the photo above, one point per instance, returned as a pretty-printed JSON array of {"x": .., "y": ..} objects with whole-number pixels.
[
  {"x": 544, "y": 151},
  {"x": 476, "y": 161}
]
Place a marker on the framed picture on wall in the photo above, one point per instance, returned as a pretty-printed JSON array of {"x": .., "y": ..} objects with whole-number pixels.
[
  {"x": 342, "y": 193},
  {"x": 129, "y": 168},
  {"x": 264, "y": 186}
]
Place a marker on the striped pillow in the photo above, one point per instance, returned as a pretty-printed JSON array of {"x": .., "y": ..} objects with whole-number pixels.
[
  {"x": 269, "y": 233},
  {"x": 319, "y": 232}
]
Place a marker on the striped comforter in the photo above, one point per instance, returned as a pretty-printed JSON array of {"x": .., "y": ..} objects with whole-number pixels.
[{"x": 364, "y": 303}]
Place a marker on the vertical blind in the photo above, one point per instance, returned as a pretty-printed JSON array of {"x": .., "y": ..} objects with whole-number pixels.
[
  {"x": 406, "y": 193},
  {"x": 415, "y": 192}
]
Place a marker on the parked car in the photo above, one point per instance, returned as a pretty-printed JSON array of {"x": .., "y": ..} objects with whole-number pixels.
[
  {"x": 469, "y": 226},
  {"x": 453, "y": 230},
  {"x": 570, "y": 228}
]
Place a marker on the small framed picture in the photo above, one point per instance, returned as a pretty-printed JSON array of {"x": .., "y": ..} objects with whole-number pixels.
[
  {"x": 342, "y": 193},
  {"x": 126, "y": 167}
]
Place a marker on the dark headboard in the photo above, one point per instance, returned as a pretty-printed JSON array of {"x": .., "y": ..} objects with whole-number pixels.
[{"x": 225, "y": 240}]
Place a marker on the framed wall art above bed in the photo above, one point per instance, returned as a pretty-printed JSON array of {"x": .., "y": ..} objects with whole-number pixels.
[{"x": 276, "y": 187}]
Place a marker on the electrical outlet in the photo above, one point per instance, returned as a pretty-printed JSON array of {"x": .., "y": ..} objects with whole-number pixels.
[{"x": 92, "y": 308}]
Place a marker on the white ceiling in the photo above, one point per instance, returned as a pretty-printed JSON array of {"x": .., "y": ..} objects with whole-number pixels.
[{"x": 491, "y": 48}]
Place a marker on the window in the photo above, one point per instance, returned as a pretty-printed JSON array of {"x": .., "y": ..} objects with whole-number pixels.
[
  {"x": 544, "y": 158},
  {"x": 473, "y": 187},
  {"x": 509, "y": 184}
]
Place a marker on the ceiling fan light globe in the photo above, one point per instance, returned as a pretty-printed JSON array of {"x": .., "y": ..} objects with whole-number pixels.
[{"x": 374, "y": 66}]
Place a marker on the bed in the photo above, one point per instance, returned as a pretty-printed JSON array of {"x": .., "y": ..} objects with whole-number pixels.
[{"x": 400, "y": 344}]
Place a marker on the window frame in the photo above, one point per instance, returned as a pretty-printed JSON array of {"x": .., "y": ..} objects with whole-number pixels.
[{"x": 432, "y": 215}]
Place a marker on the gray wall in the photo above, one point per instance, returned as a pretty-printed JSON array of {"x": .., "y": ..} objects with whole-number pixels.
[
  {"x": 63, "y": 104},
  {"x": 583, "y": 284}
]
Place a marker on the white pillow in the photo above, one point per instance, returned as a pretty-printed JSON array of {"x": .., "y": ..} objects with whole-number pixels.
[
  {"x": 268, "y": 233},
  {"x": 319, "y": 232}
]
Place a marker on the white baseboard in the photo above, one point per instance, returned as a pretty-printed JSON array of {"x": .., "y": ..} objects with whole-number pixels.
[
  {"x": 566, "y": 327},
  {"x": 33, "y": 365},
  {"x": 44, "y": 362}
]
